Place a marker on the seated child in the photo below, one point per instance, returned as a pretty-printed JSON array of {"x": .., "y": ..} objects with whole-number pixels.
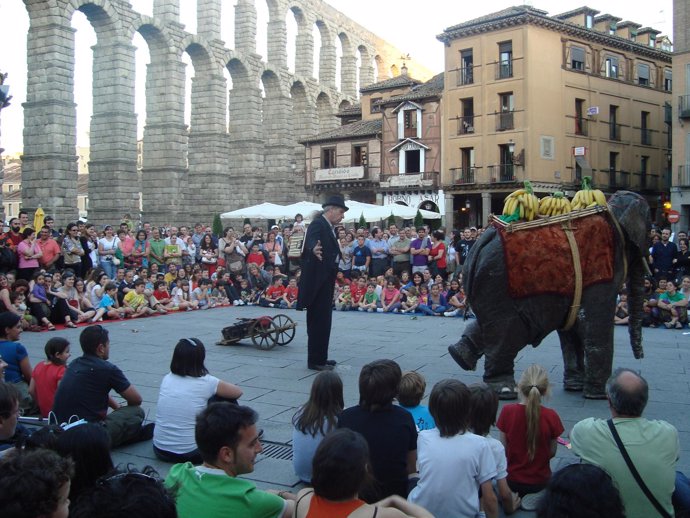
[
  {"x": 344, "y": 300},
  {"x": 290, "y": 296},
  {"x": 370, "y": 301},
  {"x": 48, "y": 373},
  {"x": 621, "y": 317},
  {"x": 136, "y": 300},
  {"x": 357, "y": 289},
  {"x": 273, "y": 295},
  {"x": 182, "y": 297},
  {"x": 247, "y": 295},
  {"x": 390, "y": 297},
  {"x": 483, "y": 409},
  {"x": 456, "y": 300},
  {"x": 162, "y": 295},
  {"x": 409, "y": 305},
  {"x": 436, "y": 302},
  {"x": 109, "y": 307},
  {"x": 256, "y": 256},
  {"x": 18, "y": 300},
  {"x": 410, "y": 394},
  {"x": 200, "y": 294}
]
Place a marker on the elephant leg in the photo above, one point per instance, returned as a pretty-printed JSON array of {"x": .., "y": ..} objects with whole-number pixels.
[
  {"x": 598, "y": 362},
  {"x": 470, "y": 348},
  {"x": 573, "y": 360},
  {"x": 506, "y": 340}
]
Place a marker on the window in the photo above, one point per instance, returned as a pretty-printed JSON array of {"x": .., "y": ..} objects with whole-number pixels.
[
  {"x": 613, "y": 167},
  {"x": 466, "y": 123},
  {"x": 375, "y": 108},
  {"x": 505, "y": 156},
  {"x": 633, "y": 35},
  {"x": 467, "y": 168},
  {"x": 580, "y": 122},
  {"x": 645, "y": 132},
  {"x": 644, "y": 164},
  {"x": 614, "y": 128},
  {"x": 466, "y": 67},
  {"x": 589, "y": 21},
  {"x": 410, "y": 123},
  {"x": 505, "y": 117},
  {"x": 577, "y": 58},
  {"x": 412, "y": 161},
  {"x": 668, "y": 79},
  {"x": 611, "y": 67},
  {"x": 505, "y": 60},
  {"x": 652, "y": 40},
  {"x": 612, "y": 29},
  {"x": 643, "y": 74},
  {"x": 328, "y": 158},
  {"x": 359, "y": 155}
]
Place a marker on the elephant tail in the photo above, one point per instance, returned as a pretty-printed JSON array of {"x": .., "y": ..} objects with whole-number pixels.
[{"x": 636, "y": 303}]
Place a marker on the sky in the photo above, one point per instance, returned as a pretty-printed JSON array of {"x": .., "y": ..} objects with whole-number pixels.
[{"x": 397, "y": 21}]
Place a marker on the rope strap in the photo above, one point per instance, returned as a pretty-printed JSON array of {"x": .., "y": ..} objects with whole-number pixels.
[{"x": 577, "y": 266}]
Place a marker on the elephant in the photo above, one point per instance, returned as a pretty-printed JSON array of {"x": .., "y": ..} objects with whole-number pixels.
[{"x": 505, "y": 324}]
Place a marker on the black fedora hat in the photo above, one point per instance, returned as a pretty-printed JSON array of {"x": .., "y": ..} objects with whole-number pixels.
[{"x": 336, "y": 201}]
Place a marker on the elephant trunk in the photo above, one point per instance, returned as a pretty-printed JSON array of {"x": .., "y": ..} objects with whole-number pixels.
[{"x": 636, "y": 304}]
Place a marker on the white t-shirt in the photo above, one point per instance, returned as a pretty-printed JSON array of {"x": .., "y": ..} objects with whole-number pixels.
[
  {"x": 108, "y": 245},
  {"x": 451, "y": 469},
  {"x": 180, "y": 399},
  {"x": 499, "y": 453},
  {"x": 95, "y": 299}
]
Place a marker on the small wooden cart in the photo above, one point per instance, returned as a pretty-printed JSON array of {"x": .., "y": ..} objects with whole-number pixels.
[{"x": 266, "y": 332}]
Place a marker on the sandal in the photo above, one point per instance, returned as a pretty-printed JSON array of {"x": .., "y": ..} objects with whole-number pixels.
[
  {"x": 70, "y": 324},
  {"x": 679, "y": 325},
  {"x": 50, "y": 327}
]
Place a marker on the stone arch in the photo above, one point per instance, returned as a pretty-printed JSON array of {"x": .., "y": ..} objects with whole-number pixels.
[
  {"x": 304, "y": 42},
  {"x": 276, "y": 45},
  {"x": 326, "y": 112},
  {"x": 327, "y": 55},
  {"x": 381, "y": 69},
  {"x": 394, "y": 72},
  {"x": 103, "y": 17},
  {"x": 304, "y": 121},
  {"x": 348, "y": 66},
  {"x": 366, "y": 69},
  {"x": 344, "y": 104}
]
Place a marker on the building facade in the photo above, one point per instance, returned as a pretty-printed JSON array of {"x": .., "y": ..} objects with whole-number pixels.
[
  {"x": 680, "y": 192},
  {"x": 551, "y": 99},
  {"x": 388, "y": 149}
]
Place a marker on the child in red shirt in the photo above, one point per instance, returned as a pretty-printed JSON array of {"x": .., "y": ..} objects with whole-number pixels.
[
  {"x": 162, "y": 295},
  {"x": 358, "y": 289},
  {"x": 47, "y": 374},
  {"x": 256, "y": 257},
  {"x": 290, "y": 296},
  {"x": 274, "y": 294}
]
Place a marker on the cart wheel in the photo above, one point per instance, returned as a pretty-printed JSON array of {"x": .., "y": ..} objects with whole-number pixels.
[
  {"x": 285, "y": 328},
  {"x": 264, "y": 333}
]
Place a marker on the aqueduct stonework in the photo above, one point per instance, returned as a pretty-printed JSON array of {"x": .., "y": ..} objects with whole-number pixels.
[{"x": 190, "y": 172}]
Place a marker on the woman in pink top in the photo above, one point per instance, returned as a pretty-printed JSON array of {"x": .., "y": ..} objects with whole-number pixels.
[{"x": 28, "y": 252}]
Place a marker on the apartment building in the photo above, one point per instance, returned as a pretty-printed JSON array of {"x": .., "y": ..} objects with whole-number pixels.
[
  {"x": 680, "y": 191},
  {"x": 551, "y": 99}
]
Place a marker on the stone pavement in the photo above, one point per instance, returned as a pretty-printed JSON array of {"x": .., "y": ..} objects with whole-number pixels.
[{"x": 277, "y": 382}]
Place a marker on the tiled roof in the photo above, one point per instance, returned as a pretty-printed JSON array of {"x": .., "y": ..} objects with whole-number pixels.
[
  {"x": 504, "y": 13},
  {"x": 605, "y": 17},
  {"x": 82, "y": 184},
  {"x": 580, "y": 10},
  {"x": 645, "y": 30},
  {"x": 432, "y": 88},
  {"x": 348, "y": 131},
  {"x": 12, "y": 196},
  {"x": 628, "y": 23},
  {"x": 12, "y": 173},
  {"x": 347, "y": 111},
  {"x": 394, "y": 82}
]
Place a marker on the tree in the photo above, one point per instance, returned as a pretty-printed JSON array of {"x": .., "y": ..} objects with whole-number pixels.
[
  {"x": 418, "y": 219},
  {"x": 217, "y": 226},
  {"x": 246, "y": 221},
  {"x": 391, "y": 220},
  {"x": 362, "y": 221}
]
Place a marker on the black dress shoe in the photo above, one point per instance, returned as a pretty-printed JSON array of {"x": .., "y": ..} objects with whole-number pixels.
[
  {"x": 331, "y": 362},
  {"x": 315, "y": 367}
]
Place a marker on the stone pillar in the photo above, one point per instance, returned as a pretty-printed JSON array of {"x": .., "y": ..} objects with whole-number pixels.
[
  {"x": 277, "y": 41},
  {"x": 304, "y": 59},
  {"x": 348, "y": 75},
  {"x": 113, "y": 182},
  {"x": 366, "y": 73},
  {"x": 49, "y": 164},
  {"x": 208, "y": 17},
  {"x": 246, "y": 156},
  {"x": 327, "y": 63},
  {"x": 167, "y": 9},
  {"x": 209, "y": 176},
  {"x": 449, "y": 213},
  {"x": 486, "y": 208},
  {"x": 305, "y": 123},
  {"x": 278, "y": 148},
  {"x": 245, "y": 26},
  {"x": 165, "y": 142}
]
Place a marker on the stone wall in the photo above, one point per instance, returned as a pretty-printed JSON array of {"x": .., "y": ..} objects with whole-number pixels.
[{"x": 188, "y": 173}]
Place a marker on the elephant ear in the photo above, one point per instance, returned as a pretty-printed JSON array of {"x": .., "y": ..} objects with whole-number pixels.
[{"x": 632, "y": 212}]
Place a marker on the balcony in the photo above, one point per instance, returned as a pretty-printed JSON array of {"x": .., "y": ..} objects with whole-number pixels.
[
  {"x": 581, "y": 126},
  {"x": 504, "y": 121},
  {"x": 465, "y": 75},
  {"x": 464, "y": 175},
  {"x": 683, "y": 179},
  {"x": 426, "y": 180},
  {"x": 645, "y": 137},
  {"x": 684, "y": 106},
  {"x": 465, "y": 124},
  {"x": 502, "y": 173},
  {"x": 614, "y": 131},
  {"x": 504, "y": 69}
]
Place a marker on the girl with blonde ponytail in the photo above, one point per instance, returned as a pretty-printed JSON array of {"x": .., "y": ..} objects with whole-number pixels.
[{"x": 529, "y": 432}]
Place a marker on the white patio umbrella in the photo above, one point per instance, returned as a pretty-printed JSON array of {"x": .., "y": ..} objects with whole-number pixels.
[
  {"x": 305, "y": 208},
  {"x": 261, "y": 211}
]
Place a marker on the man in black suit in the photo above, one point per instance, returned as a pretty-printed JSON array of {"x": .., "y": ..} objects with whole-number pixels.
[{"x": 319, "y": 266}]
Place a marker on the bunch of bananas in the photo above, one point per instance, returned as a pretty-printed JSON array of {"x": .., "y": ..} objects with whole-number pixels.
[
  {"x": 588, "y": 197},
  {"x": 554, "y": 205},
  {"x": 521, "y": 203}
]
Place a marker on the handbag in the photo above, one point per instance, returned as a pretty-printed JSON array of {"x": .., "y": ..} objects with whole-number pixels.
[{"x": 633, "y": 470}]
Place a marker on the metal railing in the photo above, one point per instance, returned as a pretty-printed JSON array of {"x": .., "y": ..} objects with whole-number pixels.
[
  {"x": 504, "y": 121},
  {"x": 645, "y": 137},
  {"x": 465, "y": 75},
  {"x": 466, "y": 124},
  {"x": 504, "y": 69},
  {"x": 430, "y": 178},
  {"x": 684, "y": 106},
  {"x": 464, "y": 175},
  {"x": 502, "y": 173},
  {"x": 581, "y": 126},
  {"x": 614, "y": 131}
]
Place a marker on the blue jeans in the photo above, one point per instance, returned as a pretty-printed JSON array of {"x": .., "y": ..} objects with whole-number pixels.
[
  {"x": 423, "y": 308},
  {"x": 681, "y": 495},
  {"x": 109, "y": 268}
]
